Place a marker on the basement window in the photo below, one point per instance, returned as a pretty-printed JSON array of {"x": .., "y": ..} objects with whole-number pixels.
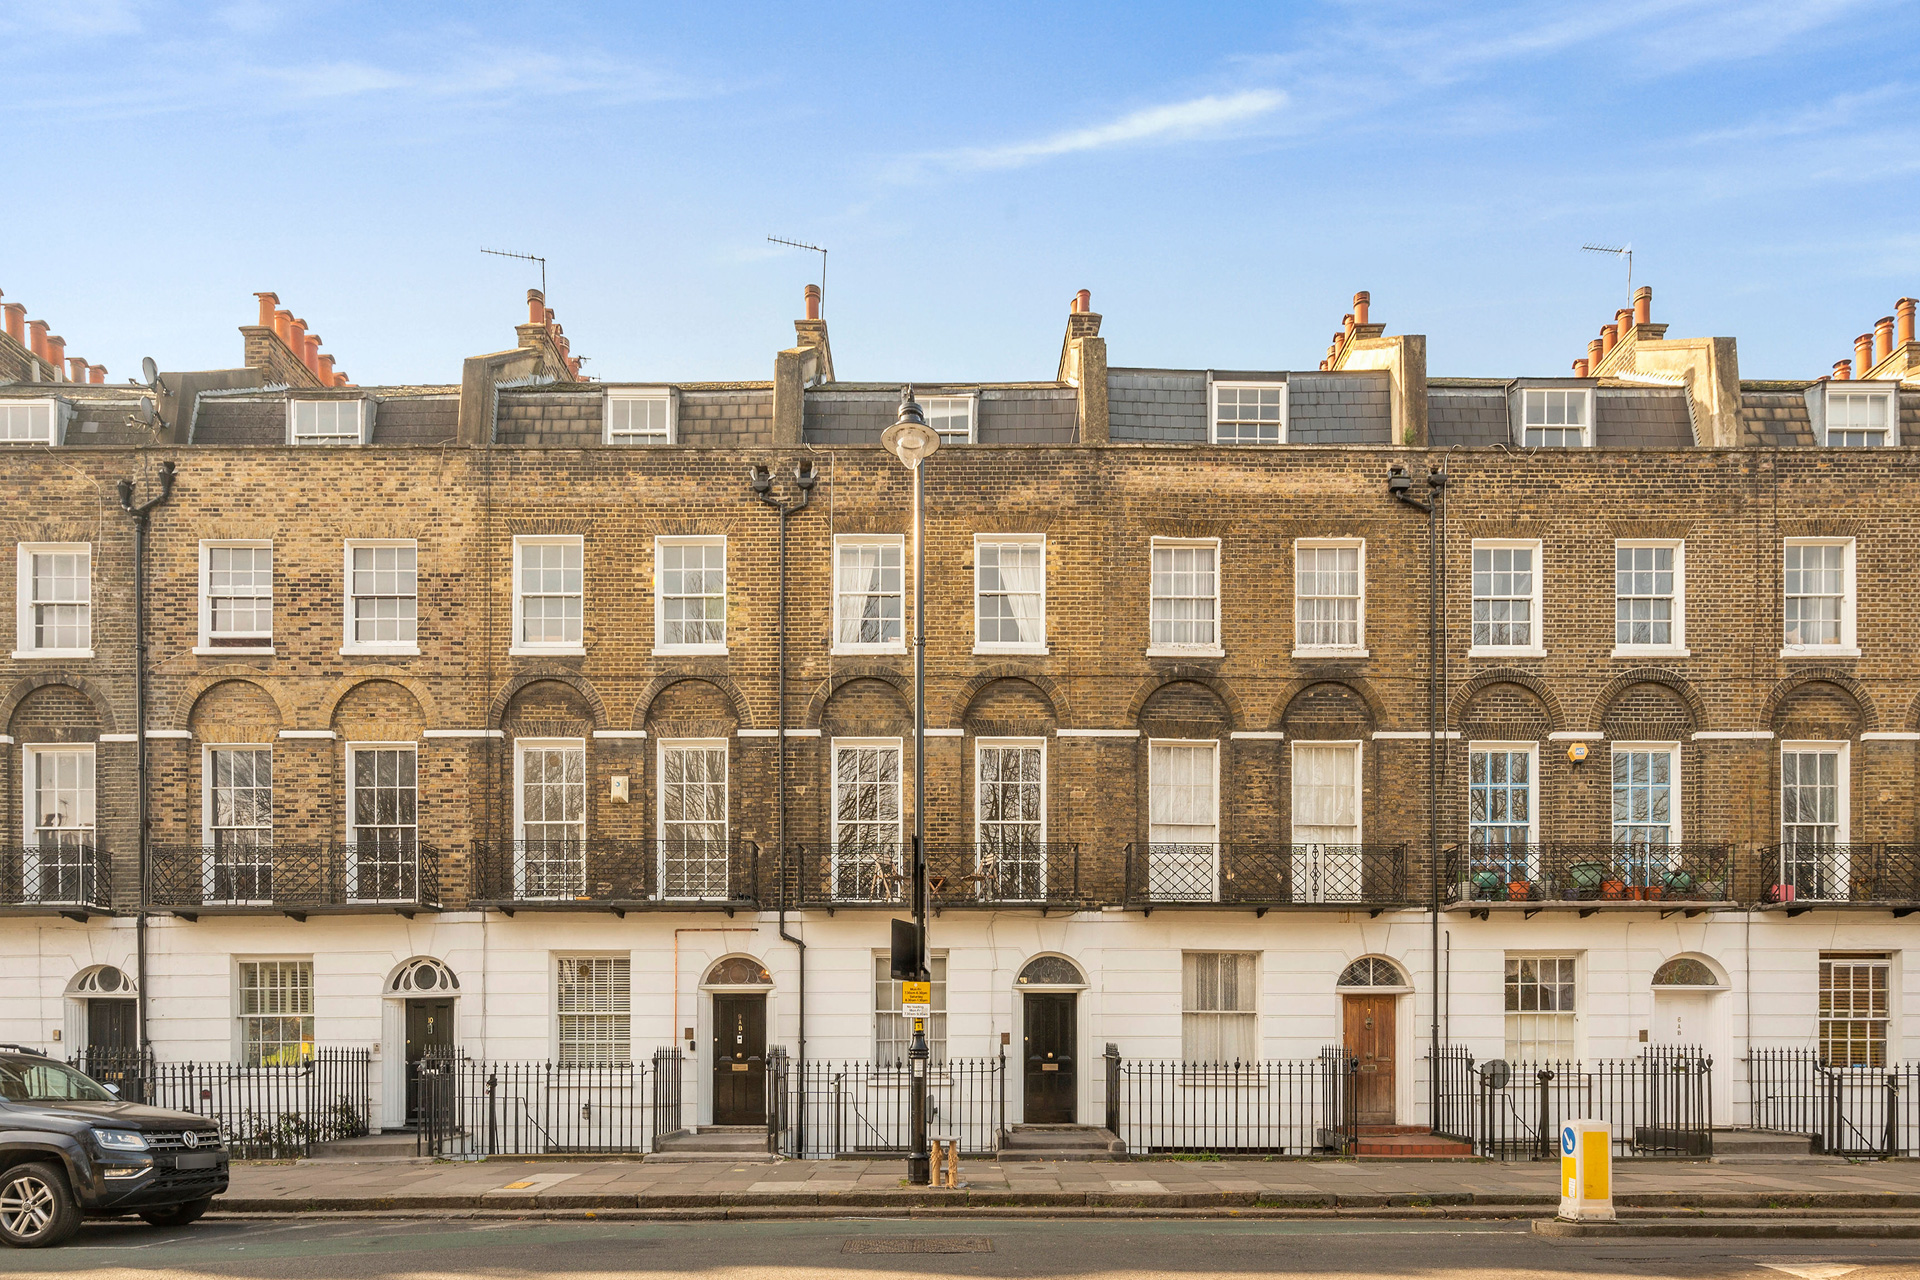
[
  {"x": 31, "y": 422},
  {"x": 327, "y": 422}
]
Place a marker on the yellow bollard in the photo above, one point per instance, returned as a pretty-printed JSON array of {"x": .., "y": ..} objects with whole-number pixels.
[
  {"x": 953, "y": 1162},
  {"x": 1586, "y": 1171}
]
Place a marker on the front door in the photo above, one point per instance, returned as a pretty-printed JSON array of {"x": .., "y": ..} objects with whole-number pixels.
[
  {"x": 1048, "y": 1051},
  {"x": 109, "y": 1028},
  {"x": 739, "y": 1059},
  {"x": 1369, "y": 1036},
  {"x": 1692, "y": 1019},
  {"x": 429, "y": 1034}
]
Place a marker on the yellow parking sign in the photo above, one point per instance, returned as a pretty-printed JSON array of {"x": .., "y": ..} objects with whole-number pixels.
[{"x": 916, "y": 999}]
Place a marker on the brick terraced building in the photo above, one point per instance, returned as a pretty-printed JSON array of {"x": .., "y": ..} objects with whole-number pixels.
[{"x": 464, "y": 703}]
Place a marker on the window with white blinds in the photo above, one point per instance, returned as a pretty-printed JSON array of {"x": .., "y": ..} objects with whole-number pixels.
[
  {"x": 594, "y": 1003},
  {"x": 1219, "y": 1022},
  {"x": 1854, "y": 1009}
]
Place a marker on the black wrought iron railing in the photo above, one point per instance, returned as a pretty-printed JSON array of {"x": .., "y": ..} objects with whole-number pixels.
[
  {"x": 1871, "y": 1109},
  {"x": 264, "y": 1112},
  {"x": 469, "y": 1108},
  {"x": 866, "y": 1108},
  {"x": 293, "y": 876},
  {"x": 56, "y": 874},
  {"x": 1600, "y": 873},
  {"x": 1291, "y": 1107},
  {"x": 1011, "y": 873},
  {"x": 1267, "y": 875},
  {"x": 1657, "y": 1104},
  {"x": 1834, "y": 873},
  {"x": 601, "y": 873}
]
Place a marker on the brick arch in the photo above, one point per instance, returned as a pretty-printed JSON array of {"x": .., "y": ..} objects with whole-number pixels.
[
  {"x": 207, "y": 681},
  {"x": 1556, "y": 719},
  {"x": 824, "y": 691},
  {"x": 1236, "y": 714},
  {"x": 1360, "y": 685},
  {"x": 330, "y": 700},
  {"x": 45, "y": 679},
  {"x": 1842, "y": 680},
  {"x": 496, "y": 713},
  {"x": 1603, "y": 701},
  {"x": 742, "y": 714},
  {"x": 1048, "y": 688}
]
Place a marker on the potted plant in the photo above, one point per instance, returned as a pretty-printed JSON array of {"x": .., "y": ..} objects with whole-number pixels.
[
  {"x": 1487, "y": 886},
  {"x": 1585, "y": 878},
  {"x": 1613, "y": 887},
  {"x": 1679, "y": 883},
  {"x": 1654, "y": 892},
  {"x": 1519, "y": 890}
]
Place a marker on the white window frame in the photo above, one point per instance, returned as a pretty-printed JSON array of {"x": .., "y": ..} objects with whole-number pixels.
[
  {"x": 242, "y": 1017},
  {"x": 410, "y": 869},
  {"x": 1586, "y": 428},
  {"x": 887, "y": 1010},
  {"x": 520, "y": 647},
  {"x": 1532, "y": 750},
  {"x": 1213, "y": 409},
  {"x": 1359, "y": 781},
  {"x": 1245, "y": 1022},
  {"x": 43, "y": 865},
  {"x": 520, "y": 748},
  {"x": 256, "y": 643},
  {"x": 1678, "y": 648},
  {"x": 1002, "y": 744},
  {"x": 1849, "y": 646},
  {"x": 1843, "y": 826},
  {"x": 660, "y": 543},
  {"x": 613, "y": 1014},
  {"x": 969, "y": 399},
  {"x": 349, "y": 645},
  {"x": 55, "y": 418},
  {"x": 211, "y": 856},
  {"x": 363, "y": 428},
  {"x": 1217, "y": 648},
  {"x": 1538, "y": 648},
  {"x": 29, "y": 776},
  {"x": 23, "y": 599},
  {"x": 1675, "y": 836},
  {"x": 899, "y": 747},
  {"x": 1355, "y": 650},
  {"x": 1881, "y": 1028},
  {"x": 1886, "y": 392},
  {"x": 1577, "y": 1022},
  {"x": 906, "y": 572},
  {"x": 630, "y": 438},
  {"x": 726, "y": 814},
  {"x": 1007, "y": 540}
]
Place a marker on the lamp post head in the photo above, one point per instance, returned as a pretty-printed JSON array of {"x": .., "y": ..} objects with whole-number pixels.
[{"x": 910, "y": 439}]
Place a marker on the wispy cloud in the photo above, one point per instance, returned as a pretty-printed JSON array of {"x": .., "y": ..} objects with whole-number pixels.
[{"x": 1212, "y": 116}]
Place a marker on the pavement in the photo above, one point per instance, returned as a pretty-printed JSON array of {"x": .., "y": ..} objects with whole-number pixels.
[{"x": 1240, "y": 1187}]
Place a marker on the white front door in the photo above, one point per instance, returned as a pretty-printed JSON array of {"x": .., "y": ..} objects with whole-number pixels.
[{"x": 1697, "y": 1018}]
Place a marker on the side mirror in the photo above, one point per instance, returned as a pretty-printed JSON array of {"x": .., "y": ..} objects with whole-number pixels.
[{"x": 113, "y": 1089}]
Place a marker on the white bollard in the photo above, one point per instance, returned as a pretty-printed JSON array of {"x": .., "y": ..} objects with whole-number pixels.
[{"x": 1586, "y": 1171}]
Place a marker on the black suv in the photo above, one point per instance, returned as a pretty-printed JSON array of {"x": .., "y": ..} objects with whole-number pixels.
[{"x": 69, "y": 1148}]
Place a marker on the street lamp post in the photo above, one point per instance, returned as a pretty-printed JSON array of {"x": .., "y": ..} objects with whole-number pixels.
[{"x": 912, "y": 441}]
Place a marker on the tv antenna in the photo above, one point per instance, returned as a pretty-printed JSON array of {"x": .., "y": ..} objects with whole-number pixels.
[
  {"x": 812, "y": 248},
  {"x": 525, "y": 257},
  {"x": 1618, "y": 251}
]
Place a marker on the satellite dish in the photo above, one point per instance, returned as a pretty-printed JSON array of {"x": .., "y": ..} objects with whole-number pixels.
[
  {"x": 145, "y": 411},
  {"x": 149, "y": 370},
  {"x": 1494, "y": 1073}
]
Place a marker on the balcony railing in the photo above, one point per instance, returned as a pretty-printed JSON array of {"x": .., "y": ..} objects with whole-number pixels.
[
  {"x": 1595, "y": 873},
  {"x": 1807, "y": 874},
  {"x": 295, "y": 878},
  {"x": 63, "y": 876},
  {"x": 616, "y": 875},
  {"x": 1368, "y": 876},
  {"x": 958, "y": 875}
]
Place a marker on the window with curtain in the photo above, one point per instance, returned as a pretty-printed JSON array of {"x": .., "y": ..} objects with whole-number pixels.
[
  {"x": 1854, "y": 1009},
  {"x": 1325, "y": 859},
  {"x": 1009, "y": 594},
  {"x": 1183, "y": 826},
  {"x": 1185, "y": 595},
  {"x": 1327, "y": 597},
  {"x": 1219, "y": 1023},
  {"x": 869, "y": 601},
  {"x": 276, "y": 1012},
  {"x": 1815, "y": 586},
  {"x": 693, "y": 819},
  {"x": 892, "y": 1030},
  {"x": 594, "y": 1007},
  {"x": 384, "y": 822},
  {"x": 1540, "y": 1008},
  {"x": 240, "y": 823}
]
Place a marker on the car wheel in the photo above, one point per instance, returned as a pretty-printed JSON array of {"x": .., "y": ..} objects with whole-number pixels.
[
  {"x": 177, "y": 1215},
  {"x": 36, "y": 1209}
]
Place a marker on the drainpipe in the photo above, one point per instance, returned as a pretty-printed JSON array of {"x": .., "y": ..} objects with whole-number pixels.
[
  {"x": 140, "y": 522},
  {"x": 804, "y": 478}
]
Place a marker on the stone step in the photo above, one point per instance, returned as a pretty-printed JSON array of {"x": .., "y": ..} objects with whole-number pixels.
[
  {"x": 1031, "y": 1142},
  {"x": 379, "y": 1146},
  {"x": 713, "y": 1144},
  {"x": 1410, "y": 1146},
  {"x": 1757, "y": 1144}
]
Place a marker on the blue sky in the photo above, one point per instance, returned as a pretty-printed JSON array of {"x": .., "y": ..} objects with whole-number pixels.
[{"x": 1222, "y": 177}]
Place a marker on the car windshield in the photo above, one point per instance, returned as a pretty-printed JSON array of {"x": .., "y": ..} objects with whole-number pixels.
[{"x": 22, "y": 1081}]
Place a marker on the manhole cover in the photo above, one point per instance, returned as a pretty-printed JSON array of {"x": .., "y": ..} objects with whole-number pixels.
[{"x": 919, "y": 1244}]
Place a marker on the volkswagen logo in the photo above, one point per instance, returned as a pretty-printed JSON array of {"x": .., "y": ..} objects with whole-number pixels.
[{"x": 190, "y": 1139}]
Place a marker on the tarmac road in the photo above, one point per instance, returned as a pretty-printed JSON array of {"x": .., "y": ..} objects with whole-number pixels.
[{"x": 876, "y": 1250}]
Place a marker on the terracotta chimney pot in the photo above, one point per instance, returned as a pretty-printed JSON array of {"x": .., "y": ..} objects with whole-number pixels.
[
  {"x": 311, "y": 354},
  {"x": 1594, "y": 352},
  {"x": 1842, "y": 370},
  {"x": 1904, "y": 309},
  {"x": 1361, "y": 301},
  {"x": 1083, "y": 302},
  {"x": 1882, "y": 338},
  {"x": 1608, "y": 337},
  {"x": 1623, "y": 321},
  {"x": 296, "y": 337},
  {"x": 550, "y": 313},
  {"x": 1863, "y": 355},
  {"x": 76, "y": 369},
  {"x": 326, "y": 370},
  {"x": 283, "y": 326},
  {"x": 1346, "y": 324},
  {"x": 536, "y": 307},
  {"x": 57, "y": 356},
  {"x": 268, "y": 301},
  {"x": 16, "y": 313},
  {"x": 812, "y": 296},
  {"x": 1579, "y": 368},
  {"x": 1643, "y": 305},
  {"x": 97, "y": 375},
  {"x": 37, "y": 337}
]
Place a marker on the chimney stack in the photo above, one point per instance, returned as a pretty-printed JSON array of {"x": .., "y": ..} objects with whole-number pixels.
[
  {"x": 1882, "y": 338},
  {"x": 1904, "y": 309},
  {"x": 37, "y": 337},
  {"x": 1608, "y": 337},
  {"x": 97, "y": 375},
  {"x": 16, "y": 313},
  {"x": 1623, "y": 321},
  {"x": 57, "y": 356},
  {"x": 536, "y": 307},
  {"x": 1842, "y": 370},
  {"x": 1579, "y": 368},
  {"x": 812, "y": 293},
  {"x": 76, "y": 369},
  {"x": 268, "y": 301},
  {"x": 1361, "y": 301},
  {"x": 1643, "y": 305},
  {"x": 1863, "y": 354}
]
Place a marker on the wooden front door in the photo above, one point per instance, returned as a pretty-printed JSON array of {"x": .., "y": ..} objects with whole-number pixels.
[
  {"x": 110, "y": 1026},
  {"x": 739, "y": 1059},
  {"x": 1369, "y": 1036},
  {"x": 1048, "y": 1052},
  {"x": 429, "y": 1034}
]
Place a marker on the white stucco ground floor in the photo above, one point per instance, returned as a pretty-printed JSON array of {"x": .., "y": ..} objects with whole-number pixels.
[{"x": 1174, "y": 985}]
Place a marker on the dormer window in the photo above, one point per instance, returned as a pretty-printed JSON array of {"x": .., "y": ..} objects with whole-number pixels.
[
  {"x": 639, "y": 417},
  {"x": 327, "y": 422},
  {"x": 29, "y": 422},
  {"x": 1556, "y": 417},
  {"x": 952, "y": 417},
  {"x": 1249, "y": 413},
  {"x": 1861, "y": 419}
]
